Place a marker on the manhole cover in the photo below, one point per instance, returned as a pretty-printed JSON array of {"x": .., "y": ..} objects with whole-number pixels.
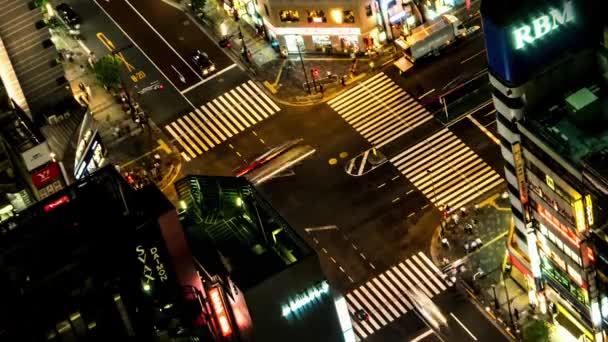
[
  {"x": 187, "y": 22},
  {"x": 180, "y": 38}
]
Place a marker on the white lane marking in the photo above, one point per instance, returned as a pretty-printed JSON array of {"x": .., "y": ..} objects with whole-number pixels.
[
  {"x": 351, "y": 298},
  {"x": 180, "y": 141},
  {"x": 208, "y": 78},
  {"x": 429, "y": 273},
  {"x": 202, "y": 134},
  {"x": 430, "y": 284},
  {"x": 404, "y": 292},
  {"x": 463, "y": 326},
  {"x": 422, "y": 336},
  {"x": 191, "y": 133},
  {"x": 163, "y": 39},
  {"x": 378, "y": 305},
  {"x": 389, "y": 294},
  {"x": 483, "y": 129},
  {"x": 362, "y": 166},
  {"x": 416, "y": 280},
  {"x": 369, "y": 308},
  {"x": 218, "y": 137},
  {"x": 425, "y": 94},
  {"x": 142, "y": 51}
]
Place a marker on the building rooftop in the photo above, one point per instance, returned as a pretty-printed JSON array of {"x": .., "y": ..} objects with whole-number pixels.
[
  {"x": 575, "y": 124},
  {"x": 231, "y": 227}
]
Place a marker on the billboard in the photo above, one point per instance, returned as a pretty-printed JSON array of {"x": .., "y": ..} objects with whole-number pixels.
[{"x": 536, "y": 35}]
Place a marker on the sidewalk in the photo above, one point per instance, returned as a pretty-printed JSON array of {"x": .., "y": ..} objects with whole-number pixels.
[
  {"x": 286, "y": 77},
  {"x": 503, "y": 299},
  {"x": 125, "y": 140}
]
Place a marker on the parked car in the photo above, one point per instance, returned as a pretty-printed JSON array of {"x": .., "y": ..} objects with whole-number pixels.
[
  {"x": 202, "y": 61},
  {"x": 66, "y": 12}
]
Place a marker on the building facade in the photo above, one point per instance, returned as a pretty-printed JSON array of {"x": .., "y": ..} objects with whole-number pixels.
[
  {"x": 548, "y": 67},
  {"x": 98, "y": 261},
  {"x": 264, "y": 281},
  {"x": 335, "y": 27}
]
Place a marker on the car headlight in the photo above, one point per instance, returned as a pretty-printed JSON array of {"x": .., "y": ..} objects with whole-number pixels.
[
  {"x": 212, "y": 68},
  {"x": 205, "y": 72}
]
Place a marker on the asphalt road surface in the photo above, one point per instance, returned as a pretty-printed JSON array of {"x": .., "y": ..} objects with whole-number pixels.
[{"x": 375, "y": 223}]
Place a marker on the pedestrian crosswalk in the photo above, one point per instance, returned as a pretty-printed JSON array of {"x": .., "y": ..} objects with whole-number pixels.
[
  {"x": 446, "y": 170},
  {"x": 380, "y": 110},
  {"x": 223, "y": 117},
  {"x": 388, "y": 296}
]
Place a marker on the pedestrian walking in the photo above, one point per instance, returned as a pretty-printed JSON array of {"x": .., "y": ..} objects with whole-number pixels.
[
  {"x": 321, "y": 88},
  {"x": 343, "y": 80}
]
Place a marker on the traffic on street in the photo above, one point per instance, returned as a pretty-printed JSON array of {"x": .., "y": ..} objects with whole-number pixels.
[{"x": 365, "y": 167}]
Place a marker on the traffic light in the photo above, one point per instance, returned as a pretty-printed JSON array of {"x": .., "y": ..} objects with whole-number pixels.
[{"x": 130, "y": 179}]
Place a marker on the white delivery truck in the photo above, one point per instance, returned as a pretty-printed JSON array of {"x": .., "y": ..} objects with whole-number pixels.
[{"x": 435, "y": 35}]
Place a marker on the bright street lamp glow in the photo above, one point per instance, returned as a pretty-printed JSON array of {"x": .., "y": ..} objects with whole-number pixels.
[
  {"x": 239, "y": 202},
  {"x": 337, "y": 16},
  {"x": 223, "y": 29},
  {"x": 147, "y": 287}
]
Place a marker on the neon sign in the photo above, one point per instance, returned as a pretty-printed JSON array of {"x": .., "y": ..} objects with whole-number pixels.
[
  {"x": 305, "y": 298},
  {"x": 543, "y": 25},
  {"x": 220, "y": 311}
]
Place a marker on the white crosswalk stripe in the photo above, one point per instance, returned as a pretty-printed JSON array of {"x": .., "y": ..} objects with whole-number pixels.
[
  {"x": 386, "y": 297},
  {"x": 218, "y": 120},
  {"x": 446, "y": 170},
  {"x": 380, "y": 110}
]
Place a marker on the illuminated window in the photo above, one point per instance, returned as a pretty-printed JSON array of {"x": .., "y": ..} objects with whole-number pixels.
[
  {"x": 575, "y": 275},
  {"x": 349, "y": 17},
  {"x": 289, "y": 16},
  {"x": 550, "y": 182},
  {"x": 316, "y": 16}
]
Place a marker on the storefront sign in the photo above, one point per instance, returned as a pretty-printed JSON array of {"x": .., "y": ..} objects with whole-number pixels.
[
  {"x": 54, "y": 204},
  {"x": 310, "y": 31},
  {"x": 305, "y": 298},
  {"x": 543, "y": 25},
  {"x": 589, "y": 209},
  {"x": 520, "y": 173},
  {"x": 157, "y": 270},
  {"x": 36, "y": 156},
  {"x": 48, "y": 174},
  {"x": 220, "y": 311}
]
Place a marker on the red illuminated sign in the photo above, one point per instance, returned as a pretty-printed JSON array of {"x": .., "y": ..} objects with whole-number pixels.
[
  {"x": 61, "y": 200},
  {"x": 220, "y": 312},
  {"x": 48, "y": 174},
  {"x": 564, "y": 231}
]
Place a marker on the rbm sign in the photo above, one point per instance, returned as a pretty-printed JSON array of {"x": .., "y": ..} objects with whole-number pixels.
[{"x": 543, "y": 25}]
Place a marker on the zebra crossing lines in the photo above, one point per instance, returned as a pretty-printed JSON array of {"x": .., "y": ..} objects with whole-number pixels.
[
  {"x": 218, "y": 120},
  {"x": 379, "y": 110},
  {"x": 386, "y": 297},
  {"x": 446, "y": 170}
]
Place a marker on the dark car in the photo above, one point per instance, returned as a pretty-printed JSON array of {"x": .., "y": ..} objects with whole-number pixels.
[
  {"x": 66, "y": 12},
  {"x": 202, "y": 61}
]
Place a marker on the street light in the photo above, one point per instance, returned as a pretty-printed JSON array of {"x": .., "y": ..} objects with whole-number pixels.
[
  {"x": 430, "y": 172},
  {"x": 504, "y": 283},
  {"x": 496, "y": 303}
]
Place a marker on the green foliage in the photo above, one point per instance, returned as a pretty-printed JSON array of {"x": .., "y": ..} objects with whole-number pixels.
[
  {"x": 40, "y": 3},
  {"x": 536, "y": 331},
  {"x": 107, "y": 70},
  {"x": 198, "y": 5}
]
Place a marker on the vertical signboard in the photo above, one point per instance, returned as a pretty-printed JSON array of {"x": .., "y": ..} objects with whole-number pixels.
[
  {"x": 220, "y": 311},
  {"x": 520, "y": 173}
]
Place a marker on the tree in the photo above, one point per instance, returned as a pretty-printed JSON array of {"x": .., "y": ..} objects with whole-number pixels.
[
  {"x": 198, "y": 5},
  {"x": 107, "y": 71},
  {"x": 536, "y": 331},
  {"x": 40, "y": 3}
]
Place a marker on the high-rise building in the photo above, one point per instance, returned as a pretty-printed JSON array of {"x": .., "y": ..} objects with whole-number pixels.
[
  {"x": 264, "y": 282},
  {"x": 98, "y": 261},
  {"x": 548, "y": 66}
]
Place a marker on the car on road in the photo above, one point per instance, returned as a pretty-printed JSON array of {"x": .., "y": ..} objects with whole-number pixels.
[
  {"x": 69, "y": 16},
  {"x": 202, "y": 61},
  {"x": 276, "y": 161}
]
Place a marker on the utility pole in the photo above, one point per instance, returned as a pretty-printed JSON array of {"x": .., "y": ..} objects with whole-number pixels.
[
  {"x": 245, "y": 51},
  {"x": 430, "y": 172},
  {"x": 504, "y": 283},
  {"x": 303, "y": 68}
]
